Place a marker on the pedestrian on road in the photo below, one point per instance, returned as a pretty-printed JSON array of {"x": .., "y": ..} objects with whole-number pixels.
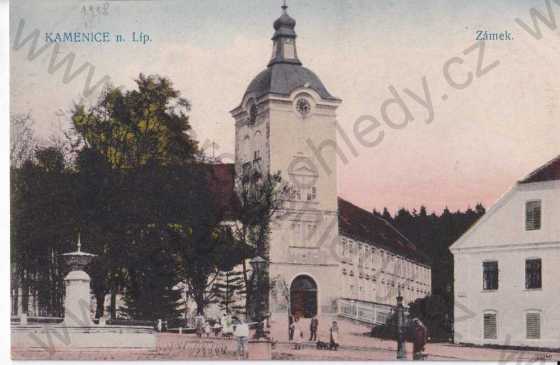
[
  {"x": 207, "y": 329},
  {"x": 313, "y": 327},
  {"x": 290, "y": 328},
  {"x": 227, "y": 329},
  {"x": 241, "y": 334},
  {"x": 199, "y": 324},
  {"x": 420, "y": 337},
  {"x": 298, "y": 333},
  {"x": 334, "y": 336}
]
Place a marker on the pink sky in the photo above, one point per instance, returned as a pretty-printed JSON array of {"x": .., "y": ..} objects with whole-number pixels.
[{"x": 481, "y": 140}]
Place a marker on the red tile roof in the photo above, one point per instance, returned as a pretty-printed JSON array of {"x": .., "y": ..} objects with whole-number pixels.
[
  {"x": 353, "y": 221},
  {"x": 361, "y": 225},
  {"x": 548, "y": 172}
]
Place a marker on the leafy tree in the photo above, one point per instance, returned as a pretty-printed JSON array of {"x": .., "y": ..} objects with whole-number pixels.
[
  {"x": 260, "y": 198},
  {"x": 43, "y": 221},
  {"x": 130, "y": 143},
  {"x": 133, "y": 128}
]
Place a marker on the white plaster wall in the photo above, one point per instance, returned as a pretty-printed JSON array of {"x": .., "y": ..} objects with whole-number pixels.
[
  {"x": 291, "y": 136},
  {"x": 511, "y": 301},
  {"x": 504, "y": 224},
  {"x": 501, "y": 236},
  {"x": 386, "y": 269}
]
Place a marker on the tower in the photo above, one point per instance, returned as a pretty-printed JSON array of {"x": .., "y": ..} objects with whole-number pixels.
[{"x": 286, "y": 122}]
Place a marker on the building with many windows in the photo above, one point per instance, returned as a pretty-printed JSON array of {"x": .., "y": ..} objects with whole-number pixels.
[{"x": 507, "y": 267}]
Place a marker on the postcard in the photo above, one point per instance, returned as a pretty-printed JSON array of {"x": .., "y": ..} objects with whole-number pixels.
[{"x": 285, "y": 180}]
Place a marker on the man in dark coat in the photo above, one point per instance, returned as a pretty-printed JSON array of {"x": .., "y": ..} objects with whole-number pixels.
[
  {"x": 313, "y": 327},
  {"x": 290, "y": 328}
]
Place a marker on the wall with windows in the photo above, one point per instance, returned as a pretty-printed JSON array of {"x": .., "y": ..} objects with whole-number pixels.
[
  {"x": 507, "y": 270},
  {"x": 519, "y": 306},
  {"x": 374, "y": 274}
]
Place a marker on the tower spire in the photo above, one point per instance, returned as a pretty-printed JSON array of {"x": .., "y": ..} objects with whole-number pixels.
[{"x": 284, "y": 38}]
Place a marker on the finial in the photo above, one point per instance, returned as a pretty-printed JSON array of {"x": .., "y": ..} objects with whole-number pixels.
[
  {"x": 79, "y": 243},
  {"x": 284, "y": 7}
]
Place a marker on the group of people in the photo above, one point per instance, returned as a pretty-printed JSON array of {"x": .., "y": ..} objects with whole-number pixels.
[
  {"x": 296, "y": 335},
  {"x": 228, "y": 326}
]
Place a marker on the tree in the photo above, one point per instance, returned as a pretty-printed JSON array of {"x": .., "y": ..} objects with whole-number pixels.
[
  {"x": 43, "y": 221},
  {"x": 433, "y": 234},
  {"x": 260, "y": 198},
  {"x": 129, "y": 146},
  {"x": 133, "y": 128},
  {"x": 22, "y": 139},
  {"x": 229, "y": 291},
  {"x": 433, "y": 311}
]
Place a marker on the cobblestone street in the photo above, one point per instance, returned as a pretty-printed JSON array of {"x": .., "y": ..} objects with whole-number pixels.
[{"x": 354, "y": 346}]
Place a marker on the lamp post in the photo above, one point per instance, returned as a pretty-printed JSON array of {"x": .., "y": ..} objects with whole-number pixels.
[
  {"x": 259, "y": 265},
  {"x": 401, "y": 327}
]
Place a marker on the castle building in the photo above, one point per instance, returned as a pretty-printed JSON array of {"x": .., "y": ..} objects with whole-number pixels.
[
  {"x": 507, "y": 267},
  {"x": 324, "y": 251}
]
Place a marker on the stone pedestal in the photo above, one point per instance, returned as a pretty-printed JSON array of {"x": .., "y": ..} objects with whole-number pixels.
[
  {"x": 260, "y": 349},
  {"x": 77, "y": 300}
]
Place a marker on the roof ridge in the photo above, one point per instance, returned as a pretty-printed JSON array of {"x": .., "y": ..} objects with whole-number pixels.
[{"x": 535, "y": 172}]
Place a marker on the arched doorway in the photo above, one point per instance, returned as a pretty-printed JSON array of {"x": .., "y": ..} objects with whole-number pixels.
[{"x": 303, "y": 297}]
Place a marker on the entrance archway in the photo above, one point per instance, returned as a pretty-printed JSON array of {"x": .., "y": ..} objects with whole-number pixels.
[{"x": 303, "y": 297}]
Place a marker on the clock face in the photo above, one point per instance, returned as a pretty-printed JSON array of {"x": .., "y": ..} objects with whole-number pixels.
[{"x": 303, "y": 107}]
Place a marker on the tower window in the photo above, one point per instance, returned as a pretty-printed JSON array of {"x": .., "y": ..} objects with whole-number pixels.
[
  {"x": 533, "y": 215},
  {"x": 312, "y": 193},
  {"x": 253, "y": 113}
]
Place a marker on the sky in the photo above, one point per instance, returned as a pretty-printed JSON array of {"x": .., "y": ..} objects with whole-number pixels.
[{"x": 482, "y": 139}]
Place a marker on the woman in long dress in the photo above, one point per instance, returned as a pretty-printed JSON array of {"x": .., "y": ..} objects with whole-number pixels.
[
  {"x": 334, "y": 336},
  {"x": 298, "y": 334}
]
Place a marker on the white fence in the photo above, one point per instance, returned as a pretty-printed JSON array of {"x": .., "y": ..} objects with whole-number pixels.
[{"x": 367, "y": 312}]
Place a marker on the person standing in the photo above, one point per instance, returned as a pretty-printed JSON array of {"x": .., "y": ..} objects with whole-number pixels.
[
  {"x": 226, "y": 323},
  {"x": 241, "y": 334},
  {"x": 313, "y": 327},
  {"x": 420, "y": 337},
  {"x": 199, "y": 324},
  {"x": 334, "y": 336},
  {"x": 290, "y": 328},
  {"x": 298, "y": 333}
]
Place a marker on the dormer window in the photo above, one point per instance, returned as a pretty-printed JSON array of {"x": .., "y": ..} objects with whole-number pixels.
[{"x": 533, "y": 215}]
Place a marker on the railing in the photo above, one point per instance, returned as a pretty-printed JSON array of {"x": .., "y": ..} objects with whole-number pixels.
[{"x": 367, "y": 312}]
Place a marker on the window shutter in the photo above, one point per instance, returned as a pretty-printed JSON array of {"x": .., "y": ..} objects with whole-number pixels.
[
  {"x": 490, "y": 326},
  {"x": 533, "y": 215},
  {"x": 533, "y": 325}
]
